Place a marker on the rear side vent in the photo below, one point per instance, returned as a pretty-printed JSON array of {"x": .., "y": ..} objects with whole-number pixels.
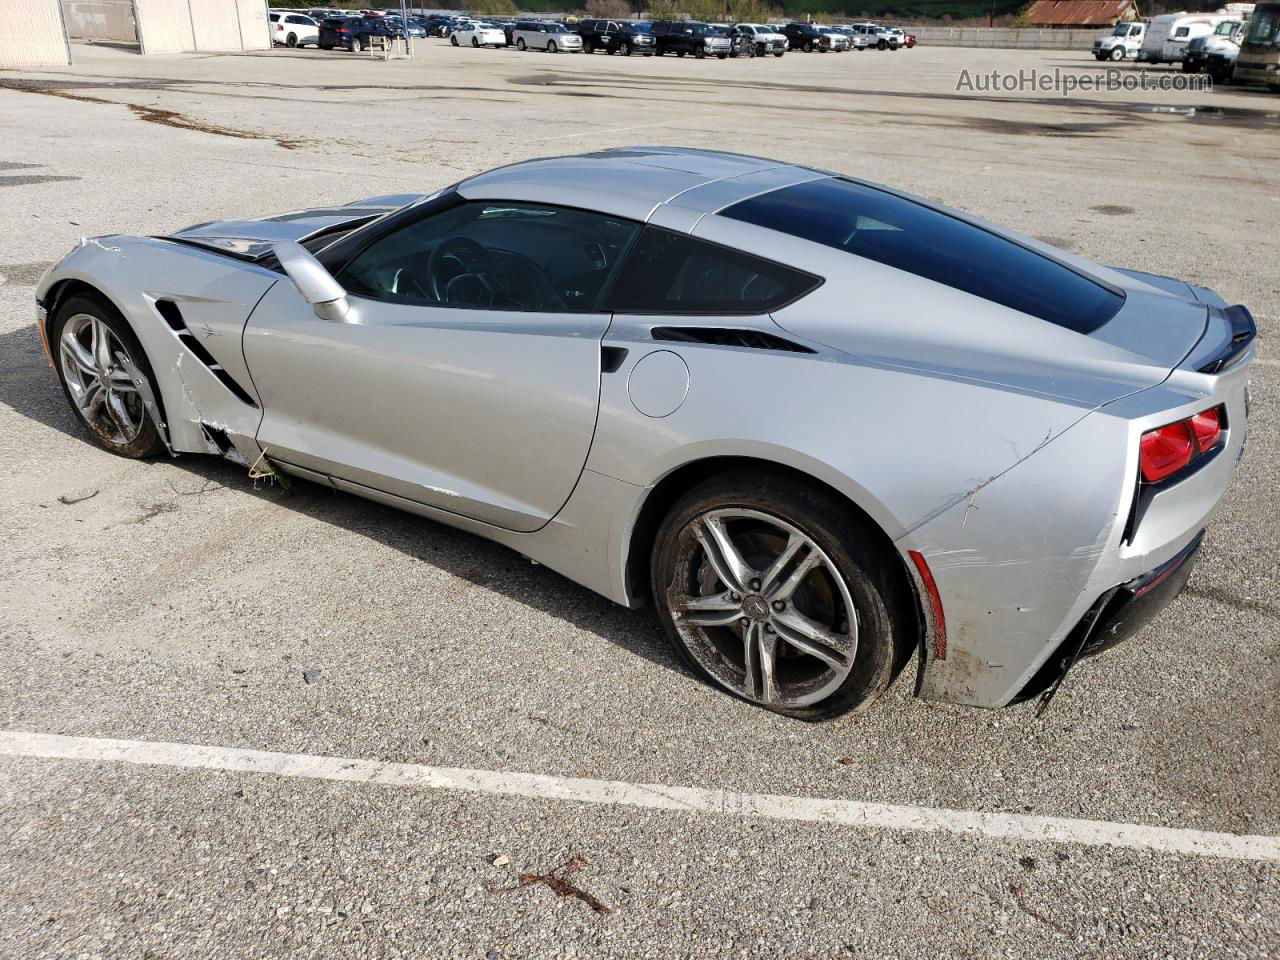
[
  {"x": 173, "y": 317},
  {"x": 728, "y": 337}
]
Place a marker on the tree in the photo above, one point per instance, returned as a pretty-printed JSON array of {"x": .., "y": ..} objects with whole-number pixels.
[
  {"x": 490, "y": 8},
  {"x": 664, "y": 9},
  {"x": 608, "y": 9}
]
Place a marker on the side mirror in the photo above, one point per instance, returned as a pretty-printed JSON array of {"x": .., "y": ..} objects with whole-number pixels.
[{"x": 313, "y": 281}]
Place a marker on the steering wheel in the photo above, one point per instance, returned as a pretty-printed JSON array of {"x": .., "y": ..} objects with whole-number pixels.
[{"x": 457, "y": 258}]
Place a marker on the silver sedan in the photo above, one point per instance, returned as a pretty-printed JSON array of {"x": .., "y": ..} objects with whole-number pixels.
[{"x": 656, "y": 371}]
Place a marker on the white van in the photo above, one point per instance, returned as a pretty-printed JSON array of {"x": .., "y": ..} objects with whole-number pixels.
[{"x": 1168, "y": 35}]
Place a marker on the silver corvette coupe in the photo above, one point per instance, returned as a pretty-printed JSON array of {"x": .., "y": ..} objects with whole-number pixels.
[{"x": 659, "y": 372}]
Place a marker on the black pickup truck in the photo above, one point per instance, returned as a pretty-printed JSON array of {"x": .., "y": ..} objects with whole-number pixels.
[
  {"x": 690, "y": 36},
  {"x": 616, "y": 36}
]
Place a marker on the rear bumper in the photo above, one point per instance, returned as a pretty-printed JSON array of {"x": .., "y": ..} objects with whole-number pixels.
[{"x": 1115, "y": 617}]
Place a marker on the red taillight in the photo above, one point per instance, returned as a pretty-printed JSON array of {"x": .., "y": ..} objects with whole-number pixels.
[
  {"x": 1207, "y": 428},
  {"x": 1168, "y": 449},
  {"x": 935, "y": 603},
  {"x": 1165, "y": 451},
  {"x": 280, "y": 26}
]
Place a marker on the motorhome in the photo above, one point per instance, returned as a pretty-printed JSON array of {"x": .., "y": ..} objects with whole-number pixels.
[
  {"x": 1216, "y": 53},
  {"x": 1167, "y": 36},
  {"x": 1259, "y": 58}
]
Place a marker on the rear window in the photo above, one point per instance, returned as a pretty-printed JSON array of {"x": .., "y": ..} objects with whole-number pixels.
[
  {"x": 900, "y": 233},
  {"x": 674, "y": 273}
]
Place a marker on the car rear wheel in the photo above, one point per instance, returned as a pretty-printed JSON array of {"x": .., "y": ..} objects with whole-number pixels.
[
  {"x": 98, "y": 358},
  {"x": 356, "y": 45},
  {"x": 776, "y": 591},
  {"x": 291, "y": 40},
  {"x": 454, "y": 41},
  {"x": 699, "y": 52},
  {"x": 520, "y": 44}
]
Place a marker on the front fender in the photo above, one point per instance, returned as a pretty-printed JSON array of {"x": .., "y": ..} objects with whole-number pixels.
[{"x": 214, "y": 296}]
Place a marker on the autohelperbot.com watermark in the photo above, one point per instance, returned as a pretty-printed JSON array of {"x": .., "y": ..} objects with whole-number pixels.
[{"x": 1065, "y": 82}]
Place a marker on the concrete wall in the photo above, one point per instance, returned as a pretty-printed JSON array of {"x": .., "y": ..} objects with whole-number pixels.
[
  {"x": 100, "y": 20},
  {"x": 1025, "y": 38},
  {"x": 33, "y": 34},
  {"x": 184, "y": 26}
]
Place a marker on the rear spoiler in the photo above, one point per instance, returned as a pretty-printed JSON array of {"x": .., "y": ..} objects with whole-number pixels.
[{"x": 1241, "y": 330}]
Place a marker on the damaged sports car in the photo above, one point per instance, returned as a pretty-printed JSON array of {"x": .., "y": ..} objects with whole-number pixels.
[{"x": 659, "y": 372}]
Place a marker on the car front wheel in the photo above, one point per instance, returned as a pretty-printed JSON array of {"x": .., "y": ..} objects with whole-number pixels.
[
  {"x": 776, "y": 591},
  {"x": 104, "y": 373},
  {"x": 1117, "y": 53}
]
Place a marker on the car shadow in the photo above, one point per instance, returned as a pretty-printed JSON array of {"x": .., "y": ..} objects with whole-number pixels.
[{"x": 29, "y": 388}]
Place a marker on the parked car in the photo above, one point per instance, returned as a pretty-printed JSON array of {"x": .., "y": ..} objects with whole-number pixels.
[
  {"x": 766, "y": 39},
  {"x": 807, "y": 37},
  {"x": 839, "y": 41},
  {"x": 910, "y": 41},
  {"x": 290, "y": 28},
  {"x": 439, "y": 25},
  {"x": 1040, "y": 443},
  {"x": 690, "y": 36},
  {"x": 892, "y": 38},
  {"x": 551, "y": 37},
  {"x": 412, "y": 29},
  {"x": 354, "y": 32},
  {"x": 857, "y": 40},
  {"x": 477, "y": 34},
  {"x": 868, "y": 32},
  {"x": 616, "y": 36},
  {"x": 1221, "y": 47},
  {"x": 1123, "y": 42},
  {"x": 1167, "y": 36}
]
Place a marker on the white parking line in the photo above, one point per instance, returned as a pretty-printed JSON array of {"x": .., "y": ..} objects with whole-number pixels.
[{"x": 689, "y": 800}]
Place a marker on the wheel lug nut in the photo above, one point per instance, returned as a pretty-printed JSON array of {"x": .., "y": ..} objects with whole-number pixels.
[
  {"x": 768, "y": 628},
  {"x": 745, "y": 622},
  {"x": 779, "y": 605},
  {"x": 734, "y": 597},
  {"x": 755, "y": 584}
]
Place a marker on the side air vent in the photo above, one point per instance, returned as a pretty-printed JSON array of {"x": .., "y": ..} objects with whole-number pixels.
[
  {"x": 728, "y": 337},
  {"x": 173, "y": 317}
]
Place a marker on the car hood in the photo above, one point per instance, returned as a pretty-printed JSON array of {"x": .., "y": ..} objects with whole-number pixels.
[{"x": 251, "y": 239}]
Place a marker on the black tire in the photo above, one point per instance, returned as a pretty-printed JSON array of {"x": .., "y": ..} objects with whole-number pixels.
[
  {"x": 1117, "y": 53},
  {"x": 807, "y": 47},
  {"x": 454, "y": 41},
  {"x": 871, "y": 573},
  {"x": 779, "y": 53},
  {"x": 356, "y": 45},
  {"x": 625, "y": 49},
  {"x": 291, "y": 40},
  {"x": 520, "y": 44},
  {"x": 699, "y": 53},
  {"x": 680, "y": 53},
  {"x": 147, "y": 443},
  {"x": 1189, "y": 67},
  {"x": 475, "y": 43},
  {"x": 551, "y": 47},
  {"x": 722, "y": 56},
  {"x": 882, "y": 45},
  {"x": 326, "y": 46}
]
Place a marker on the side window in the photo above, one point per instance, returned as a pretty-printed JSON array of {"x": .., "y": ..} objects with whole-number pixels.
[
  {"x": 673, "y": 273},
  {"x": 495, "y": 255}
]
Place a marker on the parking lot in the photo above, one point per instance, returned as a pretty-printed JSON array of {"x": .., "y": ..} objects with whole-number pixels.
[{"x": 173, "y": 603}]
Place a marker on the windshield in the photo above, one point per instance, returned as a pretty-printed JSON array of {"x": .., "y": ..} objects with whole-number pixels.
[
  {"x": 1226, "y": 27},
  {"x": 1265, "y": 26}
]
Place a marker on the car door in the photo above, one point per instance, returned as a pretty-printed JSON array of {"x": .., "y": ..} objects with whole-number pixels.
[{"x": 466, "y": 375}]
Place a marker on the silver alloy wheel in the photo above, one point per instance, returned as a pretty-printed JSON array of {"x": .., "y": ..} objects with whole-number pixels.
[
  {"x": 762, "y": 608},
  {"x": 104, "y": 393}
]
